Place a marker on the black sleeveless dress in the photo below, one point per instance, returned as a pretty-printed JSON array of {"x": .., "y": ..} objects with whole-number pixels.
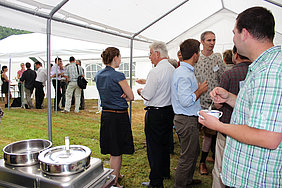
[{"x": 4, "y": 87}]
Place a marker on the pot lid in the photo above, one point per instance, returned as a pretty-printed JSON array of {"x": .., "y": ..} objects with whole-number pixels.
[{"x": 63, "y": 155}]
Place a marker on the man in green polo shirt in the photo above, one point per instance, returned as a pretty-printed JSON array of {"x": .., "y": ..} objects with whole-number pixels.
[{"x": 253, "y": 153}]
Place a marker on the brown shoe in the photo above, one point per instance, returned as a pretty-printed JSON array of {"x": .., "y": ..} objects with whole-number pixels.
[
  {"x": 210, "y": 160},
  {"x": 203, "y": 169}
]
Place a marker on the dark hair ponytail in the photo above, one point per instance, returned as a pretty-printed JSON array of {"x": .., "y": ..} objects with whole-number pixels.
[{"x": 109, "y": 54}]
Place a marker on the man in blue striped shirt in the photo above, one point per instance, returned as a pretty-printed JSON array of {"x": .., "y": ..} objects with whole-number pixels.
[{"x": 253, "y": 153}]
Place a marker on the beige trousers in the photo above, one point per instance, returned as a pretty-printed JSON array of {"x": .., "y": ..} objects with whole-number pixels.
[
  {"x": 219, "y": 149},
  {"x": 72, "y": 86}
]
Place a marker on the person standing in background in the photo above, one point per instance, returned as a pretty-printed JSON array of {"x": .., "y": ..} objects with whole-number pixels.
[
  {"x": 56, "y": 76},
  {"x": 179, "y": 58},
  {"x": 227, "y": 58},
  {"x": 39, "y": 85},
  {"x": 210, "y": 67},
  {"x": 19, "y": 75},
  {"x": 115, "y": 131},
  {"x": 63, "y": 85},
  {"x": 5, "y": 84},
  {"x": 72, "y": 72},
  {"x": 82, "y": 101},
  {"x": 28, "y": 77}
]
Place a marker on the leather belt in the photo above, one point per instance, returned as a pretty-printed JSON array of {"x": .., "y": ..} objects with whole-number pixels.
[
  {"x": 157, "y": 108},
  {"x": 116, "y": 111}
]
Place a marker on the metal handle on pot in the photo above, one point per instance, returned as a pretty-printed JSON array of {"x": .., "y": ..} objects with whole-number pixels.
[{"x": 67, "y": 144}]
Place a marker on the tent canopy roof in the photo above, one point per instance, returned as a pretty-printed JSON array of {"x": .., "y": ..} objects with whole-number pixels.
[
  {"x": 34, "y": 45},
  {"x": 128, "y": 17}
]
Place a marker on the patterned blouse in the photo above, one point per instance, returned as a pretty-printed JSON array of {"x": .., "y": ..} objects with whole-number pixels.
[{"x": 209, "y": 68}]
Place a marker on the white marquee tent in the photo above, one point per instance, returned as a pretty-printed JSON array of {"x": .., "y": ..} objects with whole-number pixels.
[
  {"x": 132, "y": 23},
  {"x": 126, "y": 18}
]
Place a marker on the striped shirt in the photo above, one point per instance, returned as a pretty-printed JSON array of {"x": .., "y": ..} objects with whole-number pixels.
[
  {"x": 71, "y": 72},
  {"x": 258, "y": 105}
]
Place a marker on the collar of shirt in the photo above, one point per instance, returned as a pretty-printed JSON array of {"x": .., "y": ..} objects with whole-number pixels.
[
  {"x": 256, "y": 64},
  {"x": 242, "y": 64},
  {"x": 161, "y": 62},
  {"x": 209, "y": 57},
  {"x": 187, "y": 65},
  {"x": 109, "y": 68}
]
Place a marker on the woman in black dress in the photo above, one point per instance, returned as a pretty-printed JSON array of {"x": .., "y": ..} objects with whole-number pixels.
[
  {"x": 115, "y": 132},
  {"x": 5, "y": 84}
]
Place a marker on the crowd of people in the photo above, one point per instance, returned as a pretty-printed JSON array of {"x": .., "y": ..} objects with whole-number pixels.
[
  {"x": 245, "y": 142},
  {"x": 64, "y": 80}
]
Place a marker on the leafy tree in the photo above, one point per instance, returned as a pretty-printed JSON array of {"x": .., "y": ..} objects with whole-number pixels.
[{"x": 5, "y": 32}]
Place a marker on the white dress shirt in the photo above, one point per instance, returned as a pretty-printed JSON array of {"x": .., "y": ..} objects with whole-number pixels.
[
  {"x": 158, "y": 83},
  {"x": 54, "y": 71},
  {"x": 41, "y": 75}
]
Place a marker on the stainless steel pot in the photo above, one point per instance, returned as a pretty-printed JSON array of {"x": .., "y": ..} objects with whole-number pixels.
[
  {"x": 65, "y": 160},
  {"x": 25, "y": 152}
]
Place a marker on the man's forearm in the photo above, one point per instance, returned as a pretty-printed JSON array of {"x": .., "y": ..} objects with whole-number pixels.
[{"x": 252, "y": 136}]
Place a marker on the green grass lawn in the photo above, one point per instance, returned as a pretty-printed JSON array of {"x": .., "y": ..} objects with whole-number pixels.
[{"x": 83, "y": 129}]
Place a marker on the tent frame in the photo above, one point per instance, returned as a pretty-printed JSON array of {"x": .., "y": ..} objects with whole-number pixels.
[
  {"x": 51, "y": 18},
  {"x": 48, "y": 32}
]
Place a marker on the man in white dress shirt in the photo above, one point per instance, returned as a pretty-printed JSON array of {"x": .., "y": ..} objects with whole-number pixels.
[
  {"x": 159, "y": 115},
  {"x": 39, "y": 84}
]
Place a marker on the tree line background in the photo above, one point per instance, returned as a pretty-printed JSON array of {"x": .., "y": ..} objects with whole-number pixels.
[{"x": 5, "y": 32}]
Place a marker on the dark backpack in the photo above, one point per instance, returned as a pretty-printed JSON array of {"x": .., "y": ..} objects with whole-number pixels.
[
  {"x": 81, "y": 82},
  {"x": 17, "y": 102}
]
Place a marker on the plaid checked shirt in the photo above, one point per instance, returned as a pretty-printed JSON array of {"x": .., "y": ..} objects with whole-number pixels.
[
  {"x": 258, "y": 105},
  {"x": 230, "y": 80}
]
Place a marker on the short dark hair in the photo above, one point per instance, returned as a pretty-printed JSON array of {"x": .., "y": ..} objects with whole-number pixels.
[
  {"x": 79, "y": 62},
  {"x": 38, "y": 63},
  {"x": 234, "y": 50},
  {"x": 57, "y": 59},
  {"x": 258, "y": 21},
  {"x": 227, "y": 56},
  {"x": 72, "y": 59},
  {"x": 189, "y": 47},
  {"x": 27, "y": 65},
  {"x": 109, "y": 54}
]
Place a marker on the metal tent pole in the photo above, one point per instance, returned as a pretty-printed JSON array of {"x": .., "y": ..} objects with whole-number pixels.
[
  {"x": 8, "y": 99},
  {"x": 49, "y": 81},
  {"x": 274, "y": 3},
  {"x": 48, "y": 30},
  {"x": 130, "y": 74}
]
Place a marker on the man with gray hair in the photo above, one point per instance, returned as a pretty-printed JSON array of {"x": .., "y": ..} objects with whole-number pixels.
[{"x": 159, "y": 115}]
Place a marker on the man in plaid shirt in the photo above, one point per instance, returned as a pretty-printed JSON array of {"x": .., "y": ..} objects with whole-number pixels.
[
  {"x": 231, "y": 80},
  {"x": 253, "y": 152}
]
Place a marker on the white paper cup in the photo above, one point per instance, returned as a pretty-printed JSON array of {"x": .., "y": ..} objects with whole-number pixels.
[{"x": 214, "y": 113}]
